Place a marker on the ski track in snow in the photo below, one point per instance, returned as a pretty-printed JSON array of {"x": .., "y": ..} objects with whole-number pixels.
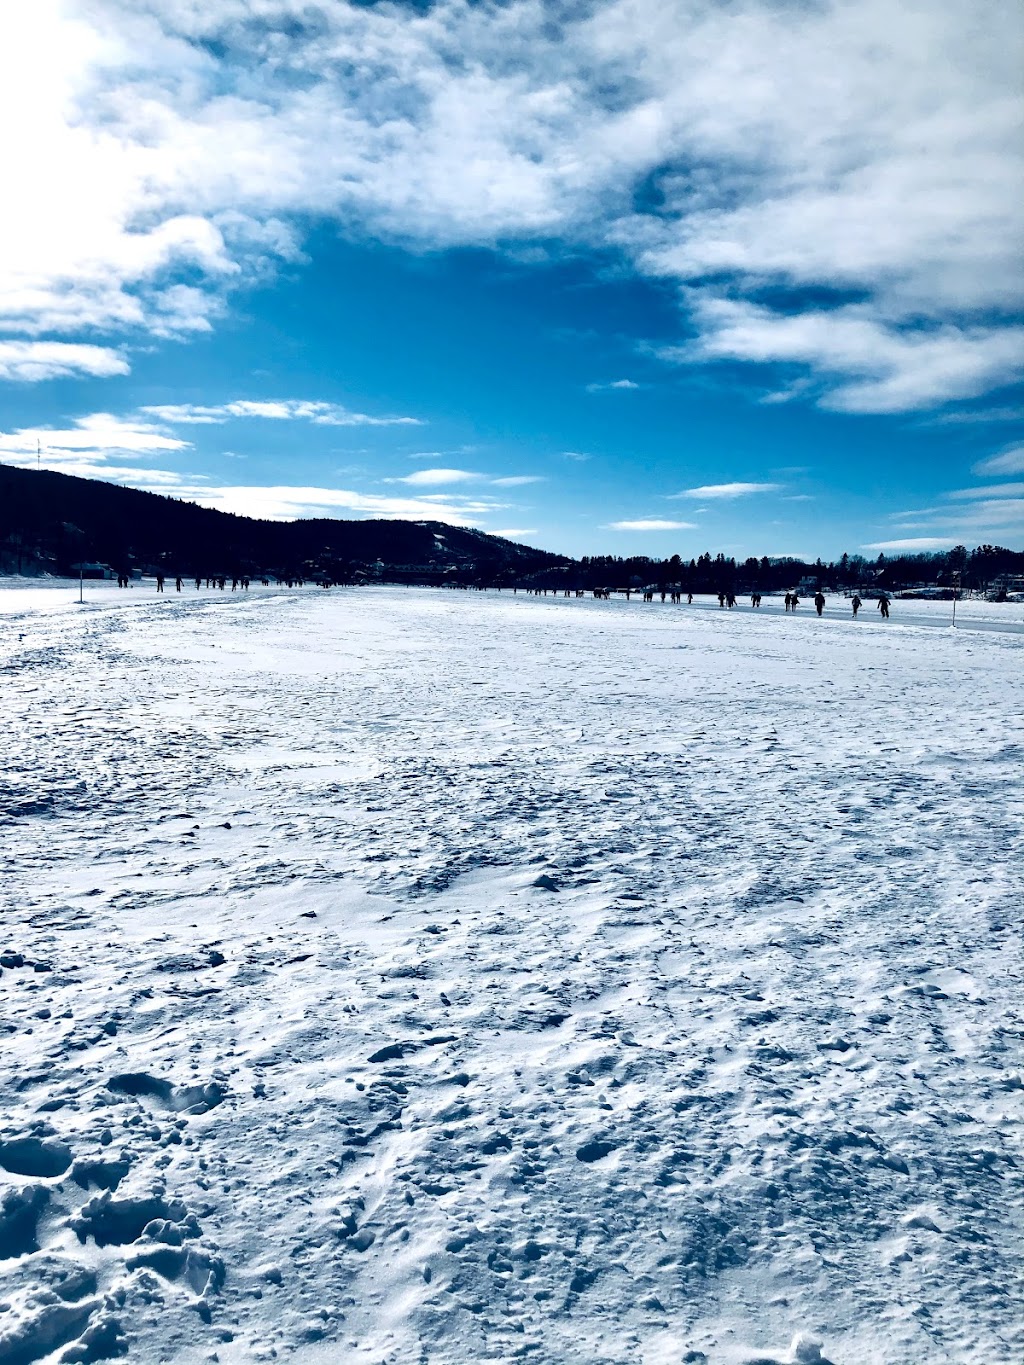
[{"x": 301, "y": 1062}]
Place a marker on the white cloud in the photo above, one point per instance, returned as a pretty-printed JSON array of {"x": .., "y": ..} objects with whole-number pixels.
[
  {"x": 426, "y": 478},
  {"x": 727, "y": 490},
  {"x": 512, "y": 532},
  {"x": 652, "y": 524},
  {"x": 1009, "y": 462},
  {"x": 992, "y": 490},
  {"x": 886, "y": 368},
  {"x": 973, "y": 417},
  {"x": 620, "y": 384},
  {"x": 285, "y": 502},
  {"x": 981, "y": 519},
  {"x": 99, "y": 434},
  {"x": 32, "y": 361},
  {"x": 577, "y": 456},
  {"x": 170, "y": 152},
  {"x": 280, "y": 410},
  {"x": 96, "y": 467},
  {"x": 990, "y": 513},
  {"x": 914, "y": 545}
]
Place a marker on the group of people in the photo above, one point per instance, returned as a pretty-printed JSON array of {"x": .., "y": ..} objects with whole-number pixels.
[
  {"x": 726, "y": 597},
  {"x": 220, "y": 582}
]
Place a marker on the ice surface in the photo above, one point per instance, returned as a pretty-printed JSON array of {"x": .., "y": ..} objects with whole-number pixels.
[{"x": 405, "y": 976}]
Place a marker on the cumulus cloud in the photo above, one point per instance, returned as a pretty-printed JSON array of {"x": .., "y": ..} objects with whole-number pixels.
[
  {"x": 756, "y": 156},
  {"x": 278, "y": 410},
  {"x": 652, "y": 524},
  {"x": 1009, "y": 462},
  {"x": 727, "y": 490}
]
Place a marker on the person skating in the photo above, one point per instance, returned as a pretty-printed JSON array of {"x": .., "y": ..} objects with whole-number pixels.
[
  {"x": 819, "y": 601},
  {"x": 856, "y": 604},
  {"x": 883, "y": 607}
]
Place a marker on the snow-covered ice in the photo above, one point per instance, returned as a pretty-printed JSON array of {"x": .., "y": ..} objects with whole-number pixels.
[{"x": 403, "y": 976}]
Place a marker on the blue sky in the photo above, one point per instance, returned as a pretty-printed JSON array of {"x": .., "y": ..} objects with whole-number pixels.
[{"x": 626, "y": 277}]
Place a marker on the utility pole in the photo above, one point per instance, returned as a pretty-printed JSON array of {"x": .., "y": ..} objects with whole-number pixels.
[{"x": 956, "y": 592}]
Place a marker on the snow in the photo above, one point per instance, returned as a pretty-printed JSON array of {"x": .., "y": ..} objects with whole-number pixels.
[{"x": 396, "y": 975}]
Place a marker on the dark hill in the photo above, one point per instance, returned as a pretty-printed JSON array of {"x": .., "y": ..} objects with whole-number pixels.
[{"x": 50, "y": 521}]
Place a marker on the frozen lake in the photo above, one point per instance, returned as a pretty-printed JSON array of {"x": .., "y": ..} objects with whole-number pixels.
[{"x": 395, "y": 975}]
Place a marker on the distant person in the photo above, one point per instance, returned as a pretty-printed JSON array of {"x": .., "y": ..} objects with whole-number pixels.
[
  {"x": 883, "y": 607},
  {"x": 721, "y": 599},
  {"x": 789, "y": 600},
  {"x": 159, "y": 582},
  {"x": 856, "y": 604},
  {"x": 794, "y": 601},
  {"x": 689, "y": 599},
  {"x": 199, "y": 584},
  {"x": 178, "y": 583},
  {"x": 730, "y": 600},
  {"x": 819, "y": 601}
]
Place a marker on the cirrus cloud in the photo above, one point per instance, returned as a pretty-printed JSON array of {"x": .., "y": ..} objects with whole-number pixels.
[
  {"x": 1009, "y": 462},
  {"x": 912, "y": 545},
  {"x": 726, "y": 490},
  {"x": 428, "y": 478},
  {"x": 652, "y": 524},
  {"x": 275, "y": 410}
]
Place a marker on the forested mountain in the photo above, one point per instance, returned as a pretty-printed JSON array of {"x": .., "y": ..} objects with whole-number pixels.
[{"x": 51, "y": 521}]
